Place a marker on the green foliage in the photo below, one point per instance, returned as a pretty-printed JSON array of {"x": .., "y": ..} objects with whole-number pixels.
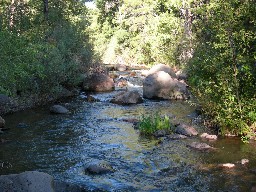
[
  {"x": 39, "y": 54},
  {"x": 222, "y": 71},
  {"x": 148, "y": 125},
  {"x": 143, "y": 31}
]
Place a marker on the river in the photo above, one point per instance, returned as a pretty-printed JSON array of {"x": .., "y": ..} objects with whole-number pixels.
[{"x": 61, "y": 145}]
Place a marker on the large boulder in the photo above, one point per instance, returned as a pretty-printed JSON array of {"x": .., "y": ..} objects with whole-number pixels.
[
  {"x": 98, "y": 82},
  {"x": 161, "y": 85},
  {"x": 162, "y": 67},
  {"x": 127, "y": 97},
  {"x": 58, "y": 109},
  {"x": 2, "y": 122},
  {"x": 29, "y": 181}
]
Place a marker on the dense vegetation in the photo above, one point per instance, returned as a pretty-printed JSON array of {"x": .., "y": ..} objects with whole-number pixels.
[
  {"x": 45, "y": 45},
  {"x": 223, "y": 68}
]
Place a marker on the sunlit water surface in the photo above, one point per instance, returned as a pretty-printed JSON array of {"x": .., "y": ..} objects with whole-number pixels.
[{"x": 61, "y": 145}]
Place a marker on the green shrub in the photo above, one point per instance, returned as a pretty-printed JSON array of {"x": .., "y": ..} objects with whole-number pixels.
[
  {"x": 149, "y": 124},
  {"x": 222, "y": 71}
]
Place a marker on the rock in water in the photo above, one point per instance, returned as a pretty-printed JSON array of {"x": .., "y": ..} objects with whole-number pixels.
[
  {"x": 29, "y": 181},
  {"x": 98, "y": 167},
  {"x": 127, "y": 97},
  {"x": 58, "y": 109},
  {"x": 162, "y": 67},
  {"x": 208, "y": 137},
  {"x": 200, "y": 146},
  {"x": 161, "y": 85},
  {"x": 186, "y": 130}
]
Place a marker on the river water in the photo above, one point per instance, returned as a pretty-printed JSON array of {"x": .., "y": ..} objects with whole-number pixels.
[{"x": 61, "y": 145}]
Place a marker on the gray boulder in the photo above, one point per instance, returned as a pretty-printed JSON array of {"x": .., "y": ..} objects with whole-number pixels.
[
  {"x": 58, "y": 109},
  {"x": 186, "y": 130},
  {"x": 127, "y": 97},
  {"x": 2, "y": 122},
  {"x": 161, "y": 85},
  {"x": 4, "y": 99},
  {"x": 98, "y": 167},
  {"x": 162, "y": 67},
  {"x": 98, "y": 82},
  {"x": 29, "y": 181}
]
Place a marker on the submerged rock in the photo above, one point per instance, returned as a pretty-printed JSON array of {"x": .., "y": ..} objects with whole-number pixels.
[
  {"x": 127, "y": 97},
  {"x": 58, "y": 109},
  {"x": 22, "y": 125},
  {"x": 162, "y": 133},
  {"x": 200, "y": 146},
  {"x": 90, "y": 98},
  {"x": 98, "y": 167},
  {"x": 186, "y": 130},
  {"x": 176, "y": 136},
  {"x": 27, "y": 181}
]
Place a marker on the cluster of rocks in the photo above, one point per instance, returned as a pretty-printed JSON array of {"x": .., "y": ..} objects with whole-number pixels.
[
  {"x": 43, "y": 182},
  {"x": 160, "y": 82}
]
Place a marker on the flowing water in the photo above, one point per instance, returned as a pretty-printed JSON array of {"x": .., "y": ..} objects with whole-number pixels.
[{"x": 61, "y": 145}]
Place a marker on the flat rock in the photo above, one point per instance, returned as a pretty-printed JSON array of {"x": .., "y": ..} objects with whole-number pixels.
[
  {"x": 176, "y": 137},
  {"x": 209, "y": 137},
  {"x": 28, "y": 181},
  {"x": 186, "y": 130},
  {"x": 58, "y": 109},
  {"x": 127, "y": 97},
  {"x": 200, "y": 146}
]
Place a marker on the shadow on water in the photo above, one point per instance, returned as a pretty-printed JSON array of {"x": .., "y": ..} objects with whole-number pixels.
[{"x": 62, "y": 144}]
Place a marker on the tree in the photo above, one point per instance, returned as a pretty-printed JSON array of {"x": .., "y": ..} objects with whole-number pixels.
[{"x": 223, "y": 67}]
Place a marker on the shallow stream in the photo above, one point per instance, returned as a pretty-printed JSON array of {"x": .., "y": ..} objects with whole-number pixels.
[{"x": 61, "y": 145}]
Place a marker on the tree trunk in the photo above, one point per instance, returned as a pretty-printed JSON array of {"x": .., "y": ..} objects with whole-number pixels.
[
  {"x": 11, "y": 12},
  {"x": 46, "y": 9}
]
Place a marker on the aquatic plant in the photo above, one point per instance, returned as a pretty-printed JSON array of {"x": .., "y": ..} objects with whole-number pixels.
[{"x": 149, "y": 124}]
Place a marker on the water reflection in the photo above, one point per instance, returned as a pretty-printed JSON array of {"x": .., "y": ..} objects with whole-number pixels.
[{"x": 62, "y": 144}]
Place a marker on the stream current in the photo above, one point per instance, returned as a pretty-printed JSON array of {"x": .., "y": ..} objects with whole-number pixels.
[{"x": 61, "y": 145}]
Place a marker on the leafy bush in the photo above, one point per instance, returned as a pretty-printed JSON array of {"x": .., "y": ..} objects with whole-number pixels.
[
  {"x": 222, "y": 71},
  {"x": 40, "y": 54},
  {"x": 148, "y": 125}
]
